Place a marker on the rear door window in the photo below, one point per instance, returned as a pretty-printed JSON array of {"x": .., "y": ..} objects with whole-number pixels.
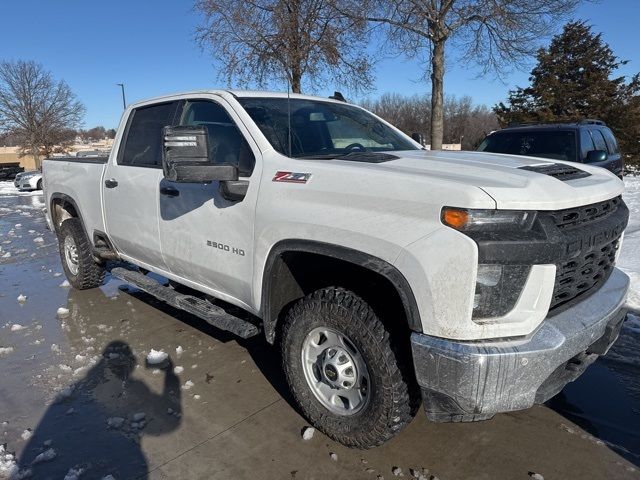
[
  {"x": 611, "y": 141},
  {"x": 586, "y": 144},
  {"x": 143, "y": 142},
  {"x": 598, "y": 140}
]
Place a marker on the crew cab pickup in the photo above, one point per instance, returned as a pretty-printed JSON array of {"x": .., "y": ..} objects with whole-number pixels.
[{"x": 386, "y": 274}]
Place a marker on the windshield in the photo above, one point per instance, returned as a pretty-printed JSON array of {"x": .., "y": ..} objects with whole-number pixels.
[
  {"x": 556, "y": 144},
  {"x": 321, "y": 129}
]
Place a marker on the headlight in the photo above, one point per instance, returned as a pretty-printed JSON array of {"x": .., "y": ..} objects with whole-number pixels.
[{"x": 475, "y": 220}]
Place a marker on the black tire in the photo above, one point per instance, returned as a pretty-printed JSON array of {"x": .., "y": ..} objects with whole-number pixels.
[
  {"x": 90, "y": 274},
  {"x": 39, "y": 185},
  {"x": 390, "y": 404}
]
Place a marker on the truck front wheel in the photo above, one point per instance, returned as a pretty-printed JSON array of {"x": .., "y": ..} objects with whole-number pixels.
[
  {"x": 81, "y": 269},
  {"x": 342, "y": 370}
]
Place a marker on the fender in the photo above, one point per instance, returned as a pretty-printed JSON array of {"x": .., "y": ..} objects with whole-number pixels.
[
  {"x": 66, "y": 199},
  {"x": 269, "y": 312}
]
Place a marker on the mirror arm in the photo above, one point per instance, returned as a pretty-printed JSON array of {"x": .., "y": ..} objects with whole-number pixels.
[{"x": 234, "y": 190}]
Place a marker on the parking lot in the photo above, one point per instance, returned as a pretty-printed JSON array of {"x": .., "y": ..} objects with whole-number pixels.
[{"x": 77, "y": 394}]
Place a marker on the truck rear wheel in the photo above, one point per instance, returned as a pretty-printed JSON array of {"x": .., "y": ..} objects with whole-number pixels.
[
  {"x": 81, "y": 269},
  {"x": 342, "y": 370}
]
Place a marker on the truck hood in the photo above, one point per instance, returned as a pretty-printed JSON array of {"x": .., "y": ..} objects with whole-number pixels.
[{"x": 503, "y": 178}]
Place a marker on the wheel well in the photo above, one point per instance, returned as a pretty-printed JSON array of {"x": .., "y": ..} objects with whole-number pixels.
[
  {"x": 295, "y": 274},
  {"x": 62, "y": 209}
]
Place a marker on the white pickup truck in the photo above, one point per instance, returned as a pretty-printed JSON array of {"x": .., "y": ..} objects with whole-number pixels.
[{"x": 386, "y": 274}]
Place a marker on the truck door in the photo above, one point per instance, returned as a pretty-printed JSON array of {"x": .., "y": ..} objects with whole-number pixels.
[
  {"x": 207, "y": 238},
  {"x": 132, "y": 185}
]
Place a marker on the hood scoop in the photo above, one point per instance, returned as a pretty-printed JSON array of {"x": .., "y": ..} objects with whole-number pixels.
[{"x": 558, "y": 170}]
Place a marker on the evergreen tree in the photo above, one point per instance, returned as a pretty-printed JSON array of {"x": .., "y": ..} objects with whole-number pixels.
[{"x": 575, "y": 78}]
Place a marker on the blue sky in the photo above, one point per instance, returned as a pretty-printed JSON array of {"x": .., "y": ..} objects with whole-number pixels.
[{"x": 149, "y": 46}]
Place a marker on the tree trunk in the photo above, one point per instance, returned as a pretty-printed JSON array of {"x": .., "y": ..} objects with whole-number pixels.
[
  {"x": 437, "y": 94},
  {"x": 296, "y": 80}
]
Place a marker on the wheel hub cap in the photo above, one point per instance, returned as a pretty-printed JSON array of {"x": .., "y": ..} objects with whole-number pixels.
[
  {"x": 335, "y": 371},
  {"x": 71, "y": 255}
]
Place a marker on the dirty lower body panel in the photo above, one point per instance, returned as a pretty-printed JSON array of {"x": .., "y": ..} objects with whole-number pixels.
[{"x": 468, "y": 381}]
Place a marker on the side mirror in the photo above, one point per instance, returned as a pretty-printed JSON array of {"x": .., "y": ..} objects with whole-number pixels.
[
  {"x": 186, "y": 158},
  {"x": 596, "y": 156},
  {"x": 418, "y": 137}
]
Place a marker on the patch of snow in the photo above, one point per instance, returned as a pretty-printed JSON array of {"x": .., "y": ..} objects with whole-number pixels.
[
  {"x": 178, "y": 369},
  {"x": 62, "y": 312},
  {"x": 80, "y": 358},
  {"x": 536, "y": 476},
  {"x": 16, "y": 327},
  {"x": 45, "y": 456},
  {"x": 333, "y": 456},
  {"x": 138, "y": 416},
  {"x": 629, "y": 260},
  {"x": 307, "y": 433},
  {"x": 71, "y": 411},
  {"x": 65, "y": 284},
  {"x": 26, "y": 435},
  {"x": 55, "y": 348},
  {"x": 74, "y": 473},
  {"x": 38, "y": 240},
  {"x": 397, "y": 471},
  {"x": 64, "y": 393},
  {"x": 115, "y": 422},
  {"x": 22, "y": 298},
  {"x": 179, "y": 350},
  {"x": 6, "y": 350},
  {"x": 156, "y": 356},
  {"x": 187, "y": 385},
  {"x": 8, "y": 464},
  {"x": 7, "y": 255},
  {"x": 196, "y": 397},
  {"x": 108, "y": 477}
]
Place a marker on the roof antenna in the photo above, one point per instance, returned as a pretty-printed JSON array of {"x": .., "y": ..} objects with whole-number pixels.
[{"x": 289, "y": 115}]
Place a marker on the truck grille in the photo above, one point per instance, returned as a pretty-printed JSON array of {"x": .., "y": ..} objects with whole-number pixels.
[
  {"x": 573, "y": 217},
  {"x": 595, "y": 239},
  {"x": 584, "y": 274}
]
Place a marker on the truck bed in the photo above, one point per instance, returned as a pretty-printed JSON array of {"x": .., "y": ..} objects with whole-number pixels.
[{"x": 76, "y": 180}]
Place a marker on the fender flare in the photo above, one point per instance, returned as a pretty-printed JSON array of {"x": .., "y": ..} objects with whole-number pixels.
[
  {"x": 356, "y": 257},
  {"x": 66, "y": 199}
]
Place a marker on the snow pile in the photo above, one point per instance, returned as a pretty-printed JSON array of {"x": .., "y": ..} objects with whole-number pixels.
[
  {"x": 6, "y": 350},
  {"x": 178, "y": 370},
  {"x": 38, "y": 240},
  {"x": 74, "y": 473},
  {"x": 8, "y": 464},
  {"x": 45, "y": 456},
  {"x": 156, "y": 356},
  {"x": 16, "y": 327},
  {"x": 179, "y": 350},
  {"x": 26, "y": 435},
  {"x": 307, "y": 433},
  {"x": 65, "y": 284},
  {"x": 22, "y": 298},
  {"x": 62, "y": 312},
  {"x": 629, "y": 260},
  {"x": 187, "y": 385}
]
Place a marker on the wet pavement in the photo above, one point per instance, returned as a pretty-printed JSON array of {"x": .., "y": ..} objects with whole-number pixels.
[{"x": 77, "y": 395}]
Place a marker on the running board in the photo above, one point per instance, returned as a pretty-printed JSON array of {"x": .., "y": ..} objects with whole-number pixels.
[{"x": 203, "y": 309}]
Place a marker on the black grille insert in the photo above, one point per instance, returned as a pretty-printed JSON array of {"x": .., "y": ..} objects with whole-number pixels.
[
  {"x": 558, "y": 170},
  {"x": 573, "y": 217}
]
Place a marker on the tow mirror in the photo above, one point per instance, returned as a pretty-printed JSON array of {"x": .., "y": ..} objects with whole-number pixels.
[
  {"x": 596, "y": 156},
  {"x": 418, "y": 137},
  {"x": 186, "y": 157}
]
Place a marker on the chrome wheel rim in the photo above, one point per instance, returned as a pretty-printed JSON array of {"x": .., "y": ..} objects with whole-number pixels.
[
  {"x": 71, "y": 255},
  {"x": 335, "y": 371}
]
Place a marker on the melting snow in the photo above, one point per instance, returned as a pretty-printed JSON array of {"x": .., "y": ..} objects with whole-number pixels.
[
  {"x": 38, "y": 240},
  {"x": 62, "y": 312},
  {"x": 187, "y": 385},
  {"x": 26, "y": 435},
  {"x": 178, "y": 369},
  {"x": 156, "y": 356},
  {"x": 22, "y": 298},
  {"x": 45, "y": 456},
  {"x": 65, "y": 284},
  {"x": 307, "y": 433},
  {"x": 5, "y": 350},
  {"x": 16, "y": 327},
  {"x": 179, "y": 350}
]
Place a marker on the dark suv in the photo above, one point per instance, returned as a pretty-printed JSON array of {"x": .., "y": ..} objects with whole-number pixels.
[{"x": 586, "y": 141}]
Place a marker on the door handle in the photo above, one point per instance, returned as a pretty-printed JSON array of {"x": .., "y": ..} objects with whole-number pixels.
[
  {"x": 169, "y": 191},
  {"x": 111, "y": 183}
]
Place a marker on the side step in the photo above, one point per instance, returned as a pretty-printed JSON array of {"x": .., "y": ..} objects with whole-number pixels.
[{"x": 209, "y": 312}]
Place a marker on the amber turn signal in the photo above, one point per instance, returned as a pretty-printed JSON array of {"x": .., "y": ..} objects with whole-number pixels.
[{"x": 455, "y": 217}]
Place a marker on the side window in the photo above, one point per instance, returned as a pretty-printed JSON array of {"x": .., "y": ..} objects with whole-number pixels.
[
  {"x": 598, "y": 140},
  {"x": 143, "y": 142},
  {"x": 226, "y": 142},
  {"x": 611, "y": 141},
  {"x": 586, "y": 144}
]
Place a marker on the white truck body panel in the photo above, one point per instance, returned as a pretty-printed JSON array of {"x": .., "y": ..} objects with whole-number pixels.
[{"x": 388, "y": 210}]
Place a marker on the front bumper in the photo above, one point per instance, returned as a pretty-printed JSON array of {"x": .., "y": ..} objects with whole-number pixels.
[{"x": 467, "y": 381}]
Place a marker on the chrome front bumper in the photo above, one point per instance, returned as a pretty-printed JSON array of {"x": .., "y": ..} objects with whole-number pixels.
[{"x": 467, "y": 381}]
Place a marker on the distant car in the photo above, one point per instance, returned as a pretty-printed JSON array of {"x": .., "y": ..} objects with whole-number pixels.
[
  {"x": 31, "y": 180},
  {"x": 586, "y": 141},
  {"x": 9, "y": 171}
]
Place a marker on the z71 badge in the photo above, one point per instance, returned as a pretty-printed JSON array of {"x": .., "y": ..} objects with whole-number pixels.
[{"x": 291, "y": 177}]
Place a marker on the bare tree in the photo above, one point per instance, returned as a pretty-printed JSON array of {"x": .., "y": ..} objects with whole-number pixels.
[
  {"x": 40, "y": 112},
  {"x": 495, "y": 34},
  {"x": 464, "y": 122},
  {"x": 301, "y": 41}
]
